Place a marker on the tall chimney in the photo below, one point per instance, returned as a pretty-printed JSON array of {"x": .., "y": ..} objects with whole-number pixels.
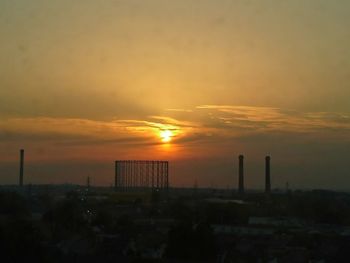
[
  {"x": 267, "y": 175},
  {"x": 241, "y": 175},
  {"x": 116, "y": 179},
  {"x": 21, "y": 168}
]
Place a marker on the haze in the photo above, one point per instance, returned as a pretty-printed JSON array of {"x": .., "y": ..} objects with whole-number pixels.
[{"x": 83, "y": 83}]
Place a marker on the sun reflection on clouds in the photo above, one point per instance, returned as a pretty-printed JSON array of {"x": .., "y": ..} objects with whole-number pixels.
[
  {"x": 164, "y": 130},
  {"x": 220, "y": 121}
]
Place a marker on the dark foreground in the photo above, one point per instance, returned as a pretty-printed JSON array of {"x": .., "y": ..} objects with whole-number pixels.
[{"x": 75, "y": 224}]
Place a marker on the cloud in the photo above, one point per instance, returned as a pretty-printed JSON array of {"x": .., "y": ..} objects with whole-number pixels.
[
  {"x": 268, "y": 119},
  {"x": 77, "y": 131},
  {"x": 205, "y": 123},
  {"x": 179, "y": 110},
  {"x": 173, "y": 121}
]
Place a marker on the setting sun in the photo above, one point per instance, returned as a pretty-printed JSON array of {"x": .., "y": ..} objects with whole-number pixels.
[{"x": 166, "y": 135}]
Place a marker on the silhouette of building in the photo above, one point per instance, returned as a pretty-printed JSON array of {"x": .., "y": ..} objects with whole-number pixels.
[
  {"x": 133, "y": 174},
  {"x": 21, "y": 167},
  {"x": 241, "y": 175},
  {"x": 267, "y": 175}
]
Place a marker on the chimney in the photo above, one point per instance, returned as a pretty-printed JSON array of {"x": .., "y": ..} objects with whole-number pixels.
[
  {"x": 267, "y": 175},
  {"x": 241, "y": 175},
  {"x": 116, "y": 175},
  {"x": 21, "y": 168}
]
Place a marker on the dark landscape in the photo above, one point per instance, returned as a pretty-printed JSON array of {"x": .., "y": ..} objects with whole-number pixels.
[{"x": 139, "y": 223}]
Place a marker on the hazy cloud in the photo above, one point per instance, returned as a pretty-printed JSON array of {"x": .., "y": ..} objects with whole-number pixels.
[
  {"x": 268, "y": 119},
  {"x": 213, "y": 121}
]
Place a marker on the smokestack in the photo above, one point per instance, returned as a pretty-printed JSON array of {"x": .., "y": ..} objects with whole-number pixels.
[
  {"x": 116, "y": 175},
  {"x": 241, "y": 175},
  {"x": 267, "y": 175},
  {"x": 21, "y": 168}
]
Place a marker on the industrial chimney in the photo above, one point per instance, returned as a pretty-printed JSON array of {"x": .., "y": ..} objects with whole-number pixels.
[
  {"x": 267, "y": 175},
  {"x": 241, "y": 175},
  {"x": 21, "y": 168}
]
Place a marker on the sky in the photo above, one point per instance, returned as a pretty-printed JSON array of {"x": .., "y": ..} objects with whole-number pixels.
[{"x": 84, "y": 83}]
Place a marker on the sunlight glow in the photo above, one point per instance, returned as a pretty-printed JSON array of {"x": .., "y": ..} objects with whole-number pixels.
[{"x": 165, "y": 135}]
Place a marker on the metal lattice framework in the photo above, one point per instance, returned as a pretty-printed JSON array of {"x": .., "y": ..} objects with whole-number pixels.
[{"x": 133, "y": 174}]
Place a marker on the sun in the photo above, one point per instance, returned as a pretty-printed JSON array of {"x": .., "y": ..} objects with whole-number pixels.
[{"x": 166, "y": 135}]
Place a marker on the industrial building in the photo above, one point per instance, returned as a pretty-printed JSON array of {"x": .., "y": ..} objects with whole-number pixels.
[{"x": 141, "y": 175}]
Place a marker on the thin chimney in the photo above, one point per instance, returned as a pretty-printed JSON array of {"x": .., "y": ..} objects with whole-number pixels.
[
  {"x": 21, "y": 168},
  {"x": 267, "y": 175},
  {"x": 241, "y": 175}
]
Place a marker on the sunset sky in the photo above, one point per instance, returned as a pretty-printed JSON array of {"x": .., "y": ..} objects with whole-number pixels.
[{"x": 195, "y": 82}]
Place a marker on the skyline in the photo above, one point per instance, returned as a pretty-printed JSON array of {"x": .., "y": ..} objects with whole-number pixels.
[{"x": 84, "y": 84}]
